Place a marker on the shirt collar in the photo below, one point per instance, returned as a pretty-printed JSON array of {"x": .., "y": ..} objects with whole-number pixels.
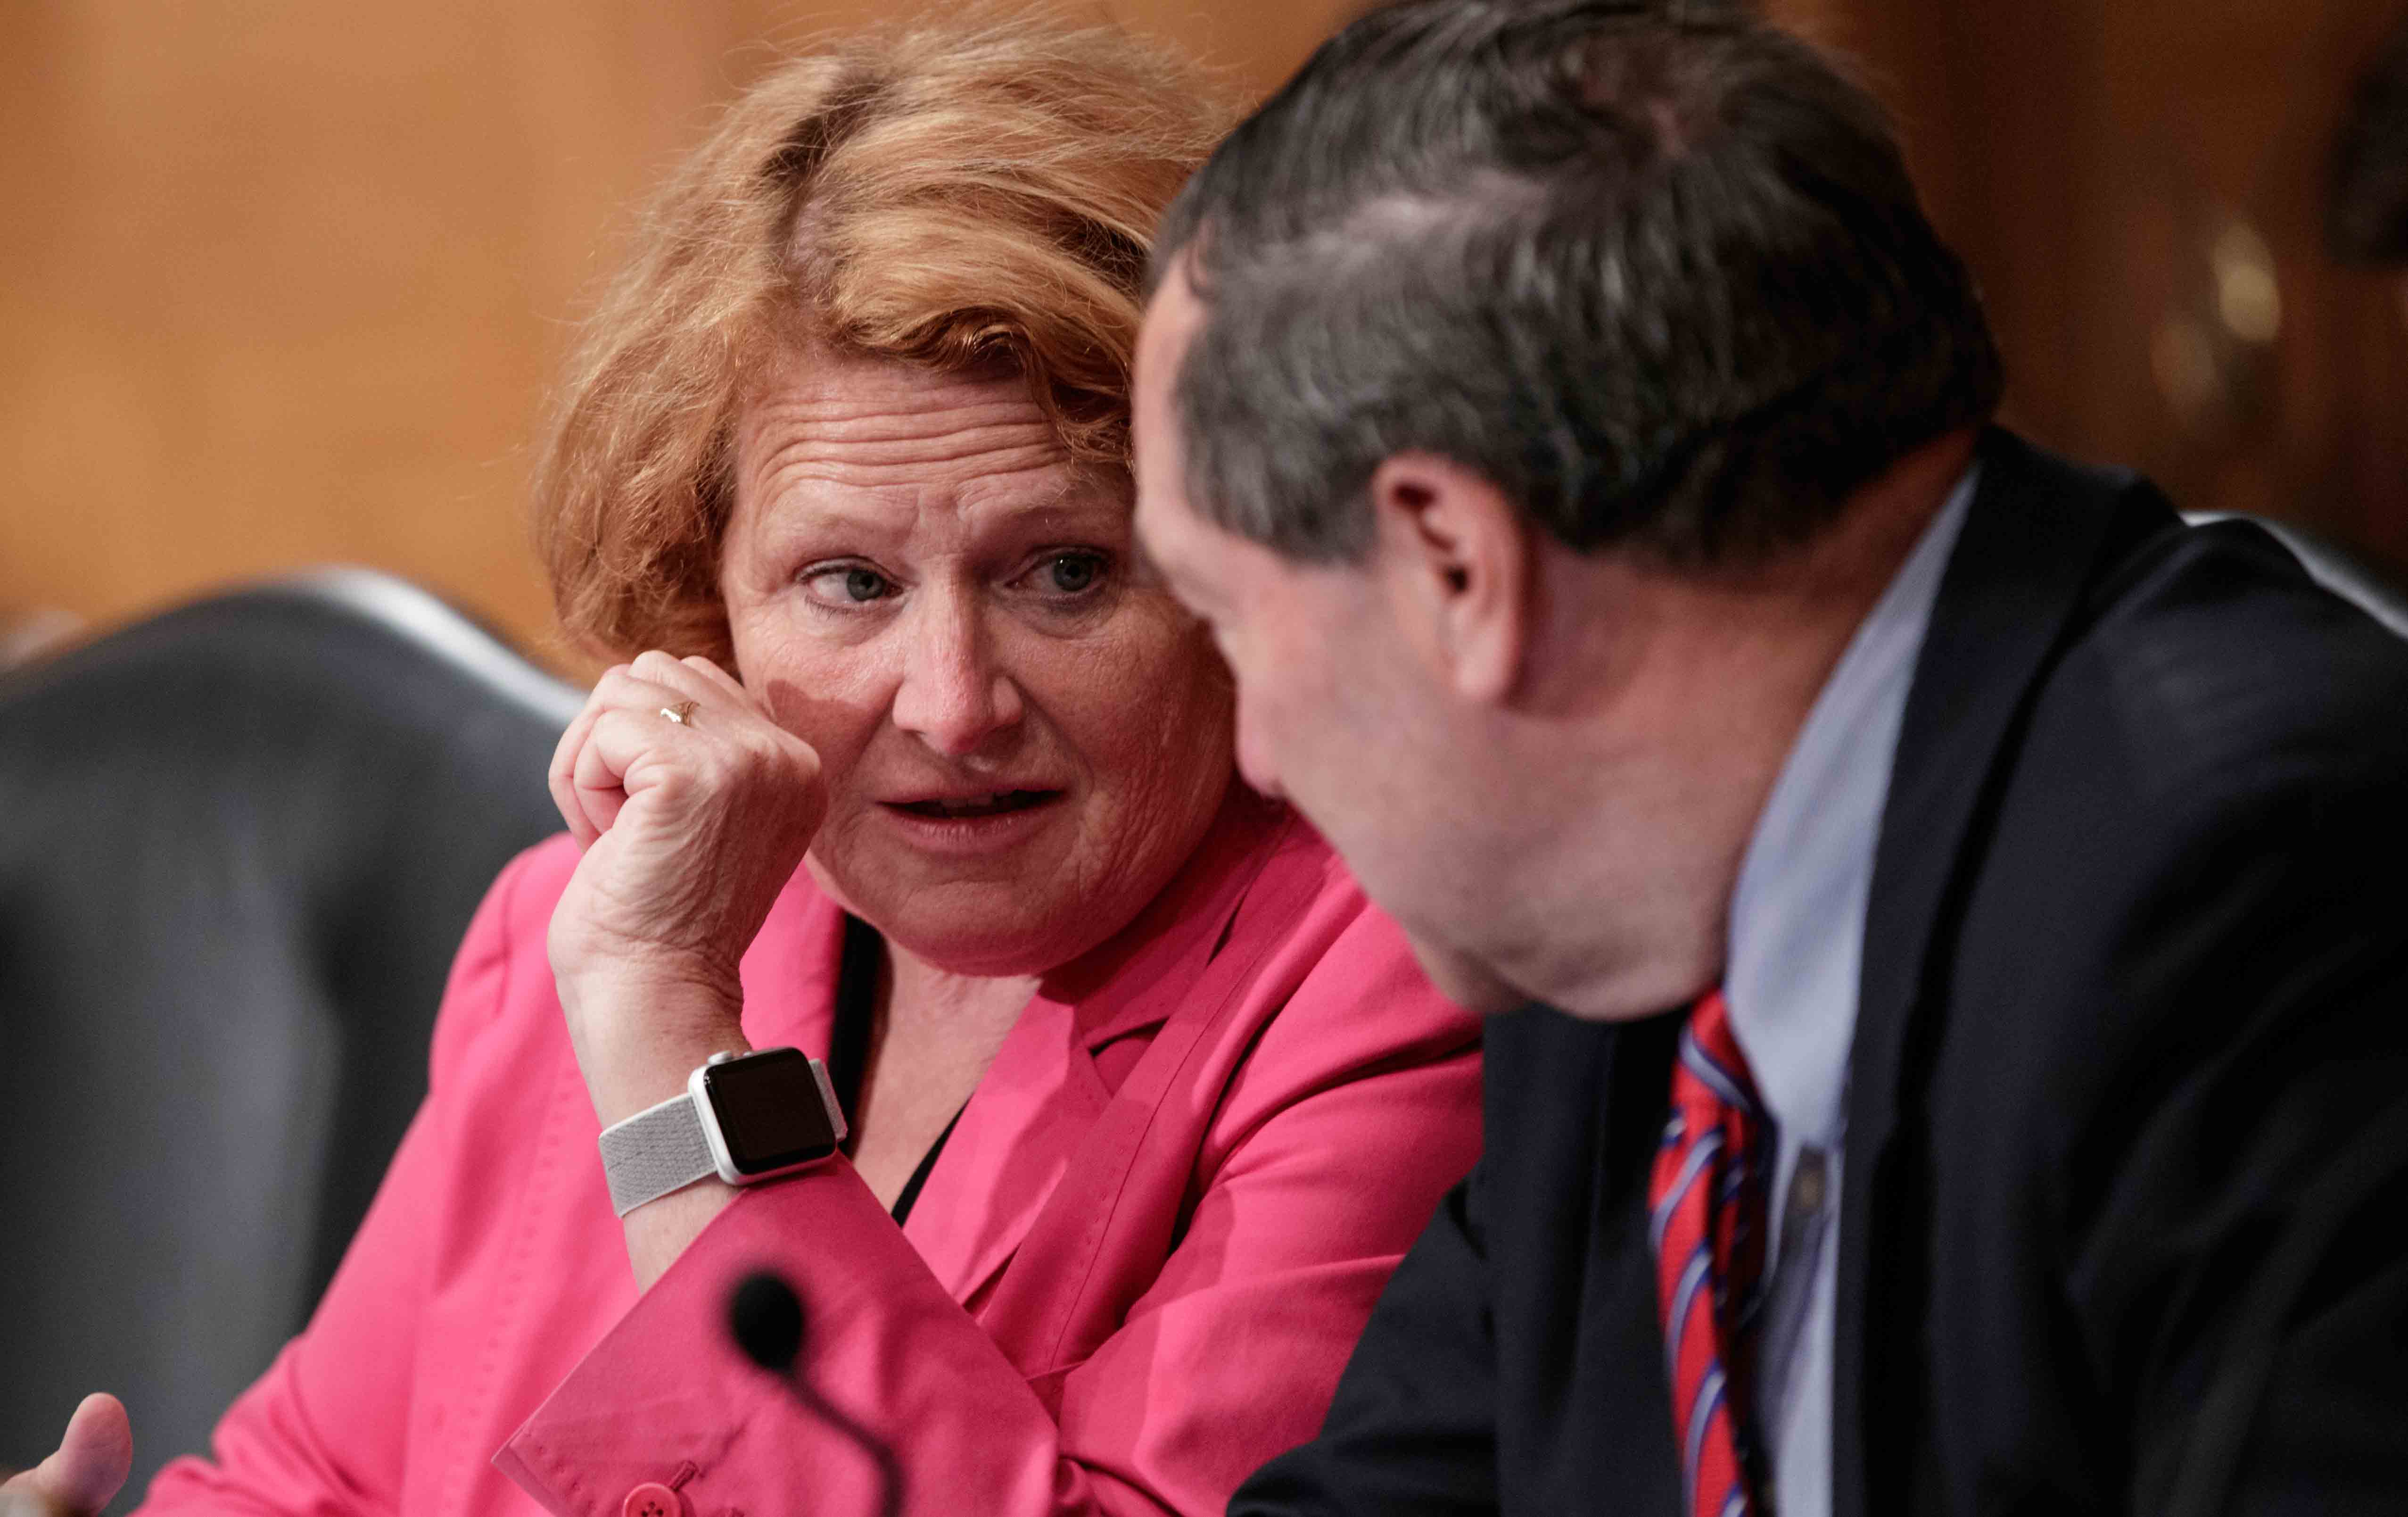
[{"x": 1797, "y": 915}]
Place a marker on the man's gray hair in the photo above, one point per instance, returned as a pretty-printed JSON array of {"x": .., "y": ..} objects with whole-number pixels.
[{"x": 1659, "y": 275}]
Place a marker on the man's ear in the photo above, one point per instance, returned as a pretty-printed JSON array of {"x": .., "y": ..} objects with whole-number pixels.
[{"x": 1455, "y": 559}]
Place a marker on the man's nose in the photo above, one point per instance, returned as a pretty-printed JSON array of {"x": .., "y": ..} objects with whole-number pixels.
[{"x": 953, "y": 696}]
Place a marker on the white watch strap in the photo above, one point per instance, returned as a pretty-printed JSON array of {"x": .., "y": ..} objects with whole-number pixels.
[{"x": 658, "y": 1150}]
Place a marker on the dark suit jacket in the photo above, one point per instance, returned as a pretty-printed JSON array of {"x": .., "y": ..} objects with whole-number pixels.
[{"x": 2127, "y": 1152}]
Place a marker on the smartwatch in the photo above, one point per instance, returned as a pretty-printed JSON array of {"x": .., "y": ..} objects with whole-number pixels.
[{"x": 745, "y": 1118}]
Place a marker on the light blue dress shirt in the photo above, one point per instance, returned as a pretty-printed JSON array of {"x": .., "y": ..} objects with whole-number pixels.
[{"x": 1796, "y": 941}]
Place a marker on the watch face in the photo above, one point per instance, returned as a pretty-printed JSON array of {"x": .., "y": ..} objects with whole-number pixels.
[{"x": 770, "y": 1111}]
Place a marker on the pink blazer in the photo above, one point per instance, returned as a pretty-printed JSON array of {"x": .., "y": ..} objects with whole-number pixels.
[{"x": 1133, "y": 1274}]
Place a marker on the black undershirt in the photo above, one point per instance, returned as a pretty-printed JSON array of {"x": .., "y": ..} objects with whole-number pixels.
[{"x": 856, "y": 1011}]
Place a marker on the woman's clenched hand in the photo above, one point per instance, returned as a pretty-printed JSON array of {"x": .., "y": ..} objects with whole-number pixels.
[{"x": 690, "y": 829}]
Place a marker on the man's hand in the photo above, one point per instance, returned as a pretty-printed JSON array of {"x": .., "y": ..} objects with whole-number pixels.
[{"x": 92, "y": 1461}]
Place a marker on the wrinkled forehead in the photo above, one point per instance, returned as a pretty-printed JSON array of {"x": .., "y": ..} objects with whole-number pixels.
[
  {"x": 815, "y": 413},
  {"x": 892, "y": 456},
  {"x": 813, "y": 392}
]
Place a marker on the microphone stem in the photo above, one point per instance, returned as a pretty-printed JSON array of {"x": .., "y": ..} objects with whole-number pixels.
[{"x": 890, "y": 1470}]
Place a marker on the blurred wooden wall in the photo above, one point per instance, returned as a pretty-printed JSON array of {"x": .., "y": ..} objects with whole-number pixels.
[
  {"x": 283, "y": 283},
  {"x": 2139, "y": 186}
]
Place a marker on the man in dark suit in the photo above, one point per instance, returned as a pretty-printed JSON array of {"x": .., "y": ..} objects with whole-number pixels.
[{"x": 1579, "y": 440}]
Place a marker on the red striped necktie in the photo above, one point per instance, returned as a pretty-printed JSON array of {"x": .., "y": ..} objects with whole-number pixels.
[{"x": 1707, "y": 1220}]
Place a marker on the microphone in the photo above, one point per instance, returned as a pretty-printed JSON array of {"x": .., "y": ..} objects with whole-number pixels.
[{"x": 765, "y": 1316}]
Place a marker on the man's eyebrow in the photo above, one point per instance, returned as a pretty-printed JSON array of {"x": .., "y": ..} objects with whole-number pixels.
[
  {"x": 1160, "y": 571},
  {"x": 1181, "y": 586}
]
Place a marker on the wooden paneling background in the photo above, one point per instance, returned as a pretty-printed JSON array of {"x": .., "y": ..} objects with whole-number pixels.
[
  {"x": 283, "y": 283},
  {"x": 2120, "y": 173}
]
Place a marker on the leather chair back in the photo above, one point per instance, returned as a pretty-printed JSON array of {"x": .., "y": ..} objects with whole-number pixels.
[{"x": 238, "y": 846}]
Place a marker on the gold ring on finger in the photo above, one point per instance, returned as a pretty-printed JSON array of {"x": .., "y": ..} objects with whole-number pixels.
[{"x": 682, "y": 713}]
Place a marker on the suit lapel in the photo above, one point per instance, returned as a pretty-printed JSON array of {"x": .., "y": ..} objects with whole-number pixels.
[
  {"x": 2031, "y": 543},
  {"x": 1581, "y": 1406},
  {"x": 1621, "y": 1322}
]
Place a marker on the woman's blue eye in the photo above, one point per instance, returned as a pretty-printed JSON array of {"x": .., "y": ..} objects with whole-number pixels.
[
  {"x": 864, "y": 584},
  {"x": 1073, "y": 574}
]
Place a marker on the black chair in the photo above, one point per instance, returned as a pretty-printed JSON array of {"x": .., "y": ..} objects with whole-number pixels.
[{"x": 238, "y": 846}]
